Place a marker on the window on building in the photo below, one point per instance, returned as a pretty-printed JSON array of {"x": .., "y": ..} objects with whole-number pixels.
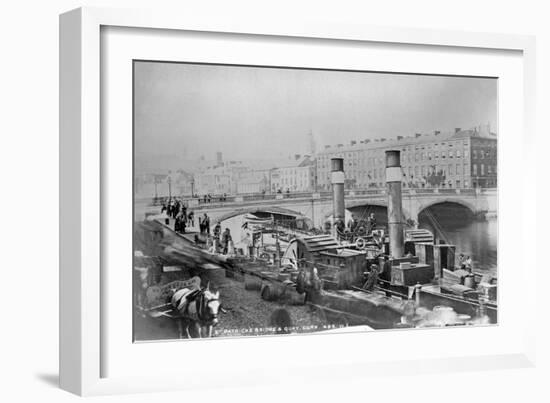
[
  {"x": 488, "y": 169},
  {"x": 474, "y": 169},
  {"x": 458, "y": 169},
  {"x": 482, "y": 169},
  {"x": 458, "y": 153},
  {"x": 451, "y": 169},
  {"x": 450, "y": 154},
  {"x": 466, "y": 153},
  {"x": 474, "y": 154},
  {"x": 429, "y": 156}
]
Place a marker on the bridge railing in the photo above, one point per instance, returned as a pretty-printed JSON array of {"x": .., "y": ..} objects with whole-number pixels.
[{"x": 218, "y": 201}]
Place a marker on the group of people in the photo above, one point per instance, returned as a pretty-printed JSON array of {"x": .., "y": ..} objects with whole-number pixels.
[
  {"x": 172, "y": 207},
  {"x": 177, "y": 210},
  {"x": 221, "y": 241},
  {"x": 207, "y": 198},
  {"x": 218, "y": 242}
]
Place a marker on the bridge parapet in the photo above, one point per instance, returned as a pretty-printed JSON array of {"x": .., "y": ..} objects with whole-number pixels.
[{"x": 317, "y": 205}]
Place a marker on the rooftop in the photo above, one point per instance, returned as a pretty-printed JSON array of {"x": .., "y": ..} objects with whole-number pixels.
[{"x": 418, "y": 138}]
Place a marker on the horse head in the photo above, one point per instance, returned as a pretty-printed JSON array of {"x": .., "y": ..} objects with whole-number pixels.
[{"x": 213, "y": 306}]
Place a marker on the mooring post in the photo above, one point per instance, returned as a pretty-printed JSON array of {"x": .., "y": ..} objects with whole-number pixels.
[
  {"x": 338, "y": 204},
  {"x": 417, "y": 289},
  {"x": 395, "y": 211}
]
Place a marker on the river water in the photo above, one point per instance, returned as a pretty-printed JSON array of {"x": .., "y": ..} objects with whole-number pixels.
[{"x": 472, "y": 237}]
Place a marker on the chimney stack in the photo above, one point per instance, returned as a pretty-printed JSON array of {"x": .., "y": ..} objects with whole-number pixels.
[
  {"x": 395, "y": 212},
  {"x": 457, "y": 129},
  {"x": 338, "y": 205}
]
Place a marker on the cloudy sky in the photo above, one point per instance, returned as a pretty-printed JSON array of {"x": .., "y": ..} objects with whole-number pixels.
[{"x": 250, "y": 112}]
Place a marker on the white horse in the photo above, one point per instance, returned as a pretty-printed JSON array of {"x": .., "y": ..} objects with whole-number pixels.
[{"x": 197, "y": 306}]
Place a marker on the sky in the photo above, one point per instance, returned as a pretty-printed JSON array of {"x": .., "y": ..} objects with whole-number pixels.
[{"x": 191, "y": 110}]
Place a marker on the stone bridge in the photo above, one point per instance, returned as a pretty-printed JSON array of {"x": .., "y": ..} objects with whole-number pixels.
[{"x": 318, "y": 206}]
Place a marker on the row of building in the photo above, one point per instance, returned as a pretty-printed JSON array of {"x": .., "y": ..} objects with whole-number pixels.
[
  {"x": 231, "y": 178},
  {"x": 457, "y": 159}
]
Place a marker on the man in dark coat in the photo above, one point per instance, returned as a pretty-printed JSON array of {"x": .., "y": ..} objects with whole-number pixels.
[{"x": 206, "y": 223}]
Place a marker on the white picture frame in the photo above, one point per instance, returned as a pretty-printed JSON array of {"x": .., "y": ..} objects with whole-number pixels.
[{"x": 83, "y": 306}]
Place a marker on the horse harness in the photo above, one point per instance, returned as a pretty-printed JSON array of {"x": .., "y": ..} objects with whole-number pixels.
[{"x": 201, "y": 305}]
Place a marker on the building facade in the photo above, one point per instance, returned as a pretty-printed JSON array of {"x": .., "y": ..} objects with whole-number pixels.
[
  {"x": 296, "y": 176},
  {"x": 256, "y": 181},
  {"x": 458, "y": 159}
]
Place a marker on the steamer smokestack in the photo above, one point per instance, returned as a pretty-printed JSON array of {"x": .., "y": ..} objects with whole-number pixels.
[
  {"x": 395, "y": 214},
  {"x": 337, "y": 180}
]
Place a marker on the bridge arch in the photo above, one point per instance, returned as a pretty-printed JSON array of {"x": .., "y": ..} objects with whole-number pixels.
[
  {"x": 447, "y": 200},
  {"x": 276, "y": 210}
]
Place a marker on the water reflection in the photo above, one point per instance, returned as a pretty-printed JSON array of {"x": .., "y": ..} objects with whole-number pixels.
[{"x": 474, "y": 238}]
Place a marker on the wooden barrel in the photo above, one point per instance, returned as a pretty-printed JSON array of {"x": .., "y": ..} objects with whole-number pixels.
[{"x": 252, "y": 283}]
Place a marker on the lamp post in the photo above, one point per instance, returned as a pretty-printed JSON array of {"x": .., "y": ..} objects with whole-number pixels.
[{"x": 169, "y": 188}]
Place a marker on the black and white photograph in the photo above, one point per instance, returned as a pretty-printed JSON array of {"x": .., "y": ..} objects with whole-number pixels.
[{"x": 286, "y": 201}]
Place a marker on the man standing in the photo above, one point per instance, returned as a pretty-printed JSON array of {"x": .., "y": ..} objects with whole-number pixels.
[
  {"x": 217, "y": 231},
  {"x": 191, "y": 218},
  {"x": 206, "y": 224},
  {"x": 226, "y": 241},
  {"x": 249, "y": 245},
  {"x": 184, "y": 212},
  {"x": 468, "y": 264}
]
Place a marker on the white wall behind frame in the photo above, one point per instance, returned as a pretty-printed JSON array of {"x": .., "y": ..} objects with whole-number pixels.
[{"x": 29, "y": 32}]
